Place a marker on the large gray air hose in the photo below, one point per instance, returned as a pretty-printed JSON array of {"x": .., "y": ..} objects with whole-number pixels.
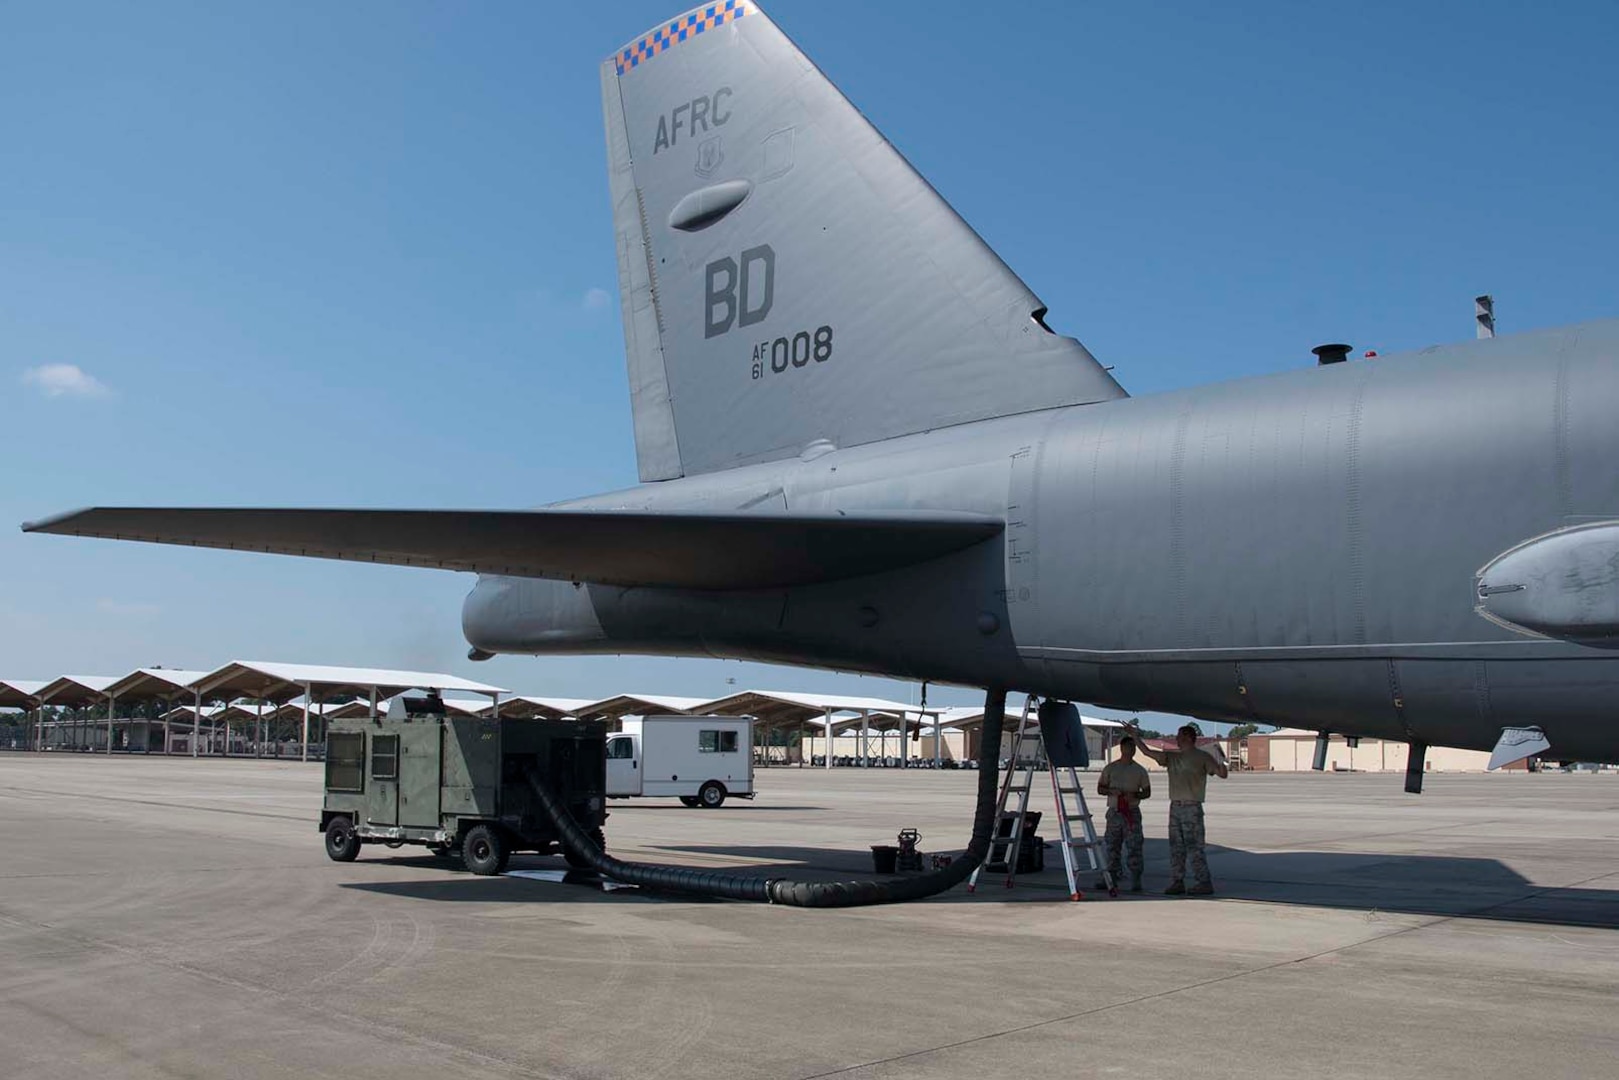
[{"x": 854, "y": 893}]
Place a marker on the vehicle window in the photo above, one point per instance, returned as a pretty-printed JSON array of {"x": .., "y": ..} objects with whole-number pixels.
[
  {"x": 620, "y": 748},
  {"x": 385, "y": 757},
  {"x": 345, "y": 761},
  {"x": 716, "y": 742}
]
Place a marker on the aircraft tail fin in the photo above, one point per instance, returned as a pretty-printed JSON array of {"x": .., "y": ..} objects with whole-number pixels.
[{"x": 786, "y": 276}]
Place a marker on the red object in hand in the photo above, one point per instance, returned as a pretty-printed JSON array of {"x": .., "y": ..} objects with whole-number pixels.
[{"x": 1126, "y": 811}]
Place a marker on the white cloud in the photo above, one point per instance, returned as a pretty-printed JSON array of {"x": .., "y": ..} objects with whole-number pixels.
[
  {"x": 64, "y": 380},
  {"x": 596, "y": 299}
]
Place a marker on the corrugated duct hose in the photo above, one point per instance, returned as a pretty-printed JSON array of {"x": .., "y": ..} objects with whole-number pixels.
[{"x": 856, "y": 893}]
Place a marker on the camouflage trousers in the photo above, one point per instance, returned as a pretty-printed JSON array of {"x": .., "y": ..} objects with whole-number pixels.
[
  {"x": 1124, "y": 839},
  {"x": 1186, "y": 842}
]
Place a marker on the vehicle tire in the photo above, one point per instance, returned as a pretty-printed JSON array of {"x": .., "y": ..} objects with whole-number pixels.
[
  {"x": 484, "y": 850},
  {"x": 598, "y": 838},
  {"x": 342, "y": 842},
  {"x": 690, "y": 800},
  {"x": 441, "y": 851},
  {"x": 711, "y": 795}
]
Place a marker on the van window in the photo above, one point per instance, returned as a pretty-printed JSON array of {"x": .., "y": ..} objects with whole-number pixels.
[
  {"x": 385, "y": 757},
  {"x": 620, "y": 748},
  {"x": 717, "y": 742},
  {"x": 345, "y": 761}
]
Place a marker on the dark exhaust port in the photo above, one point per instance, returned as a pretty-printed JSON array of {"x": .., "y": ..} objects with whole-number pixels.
[{"x": 1330, "y": 354}]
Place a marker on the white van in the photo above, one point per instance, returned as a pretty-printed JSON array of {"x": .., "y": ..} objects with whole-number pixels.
[{"x": 699, "y": 759}]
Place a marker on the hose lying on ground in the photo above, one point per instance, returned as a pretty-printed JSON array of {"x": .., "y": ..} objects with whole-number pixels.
[{"x": 854, "y": 893}]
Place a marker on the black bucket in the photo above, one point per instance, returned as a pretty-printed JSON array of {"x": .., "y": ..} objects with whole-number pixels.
[{"x": 883, "y": 858}]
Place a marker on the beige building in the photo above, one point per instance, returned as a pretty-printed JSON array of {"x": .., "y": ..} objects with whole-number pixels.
[
  {"x": 885, "y": 742},
  {"x": 1293, "y": 750}
]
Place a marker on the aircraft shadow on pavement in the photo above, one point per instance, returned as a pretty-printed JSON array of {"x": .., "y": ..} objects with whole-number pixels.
[
  {"x": 782, "y": 859},
  {"x": 1437, "y": 885},
  {"x": 536, "y": 886},
  {"x": 617, "y": 805},
  {"x": 466, "y": 889},
  {"x": 1445, "y": 885},
  {"x": 517, "y": 886}
]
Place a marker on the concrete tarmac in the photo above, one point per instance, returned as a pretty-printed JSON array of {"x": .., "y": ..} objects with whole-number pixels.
[{"x": 165, "y": 918}]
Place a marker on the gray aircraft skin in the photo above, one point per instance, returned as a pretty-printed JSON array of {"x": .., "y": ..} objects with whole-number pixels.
[{"x": 862, "y": 449}]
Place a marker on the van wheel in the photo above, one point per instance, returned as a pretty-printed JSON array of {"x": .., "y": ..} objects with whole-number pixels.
[
  {"x": 484, "y": 850},
  {"x": 711, "y": 794},
  {"x": 342, "y": 842},
  {"x": 691, "y": 800},
  {"x": 598, "y": 838}
]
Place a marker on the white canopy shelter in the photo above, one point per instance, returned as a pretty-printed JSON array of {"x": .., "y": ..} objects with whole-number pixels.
[
  {"x": 150, "y": 684},
  {"x": 787, "y": 709},
  {"x": 24, "y": 694},
  {"x": 528, "y": 706},
  {"x": 272, "y": 681},
  {"x": 621, "y": 705},
  {"x": 76, "y": 692}
]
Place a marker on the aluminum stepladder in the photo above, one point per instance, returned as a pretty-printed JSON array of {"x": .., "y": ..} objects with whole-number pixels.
[{"x": 1072, "y": 811}]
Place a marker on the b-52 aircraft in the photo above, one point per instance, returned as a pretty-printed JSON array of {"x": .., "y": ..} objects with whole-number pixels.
[{"x": 862, "y": 448}]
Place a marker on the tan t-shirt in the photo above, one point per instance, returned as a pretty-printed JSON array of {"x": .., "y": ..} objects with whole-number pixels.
[
  {"x": 1125, "y": 776},
  {"x": 1189, "y": 772}
]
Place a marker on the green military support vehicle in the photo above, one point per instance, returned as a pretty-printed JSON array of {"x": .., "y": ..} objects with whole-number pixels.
[{"x": 460, "y": 785}]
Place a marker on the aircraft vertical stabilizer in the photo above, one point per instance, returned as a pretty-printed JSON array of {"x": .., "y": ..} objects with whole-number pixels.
[{"x": 786, "y": 276}]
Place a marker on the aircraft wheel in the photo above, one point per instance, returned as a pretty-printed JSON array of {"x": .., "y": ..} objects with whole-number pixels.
[
  {"x": 711, "y": 795},
  {"x": 342, "y": 842},
  {"x": 484, "y": 850}
]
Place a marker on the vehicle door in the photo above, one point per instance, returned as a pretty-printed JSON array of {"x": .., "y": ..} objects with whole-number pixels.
[
  {"x": 747, "y": 733},
  {"x": 383, "y": 803},
  {"x": 623, "y": 766},
  {"x": 419, "y": 781},
  {"x": 345, "y": 773}
]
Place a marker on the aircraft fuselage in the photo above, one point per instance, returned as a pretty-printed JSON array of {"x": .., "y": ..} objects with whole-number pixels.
[{"x": 1294, "y": 549}]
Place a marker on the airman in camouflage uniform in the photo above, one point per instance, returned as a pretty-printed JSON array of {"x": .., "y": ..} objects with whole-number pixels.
[
  {"x": 1125, "y": 783},
  {"x": 1189, "y": 771}
]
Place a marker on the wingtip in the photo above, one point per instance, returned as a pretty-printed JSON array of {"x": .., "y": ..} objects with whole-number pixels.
[{"x": 53, "y": 523}]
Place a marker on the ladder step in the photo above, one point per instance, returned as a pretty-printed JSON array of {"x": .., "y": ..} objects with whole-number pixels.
[{"x": 1073, "y": 816}]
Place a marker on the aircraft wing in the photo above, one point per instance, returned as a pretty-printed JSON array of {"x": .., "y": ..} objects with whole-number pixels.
[{"x": 612, "y": 547}]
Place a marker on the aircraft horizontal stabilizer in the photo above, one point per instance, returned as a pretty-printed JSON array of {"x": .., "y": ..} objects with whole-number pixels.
[{"x": 611, "y": 547}]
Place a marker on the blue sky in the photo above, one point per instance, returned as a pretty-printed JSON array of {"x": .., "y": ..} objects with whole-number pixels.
[{"x": 360, "y": 254}]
